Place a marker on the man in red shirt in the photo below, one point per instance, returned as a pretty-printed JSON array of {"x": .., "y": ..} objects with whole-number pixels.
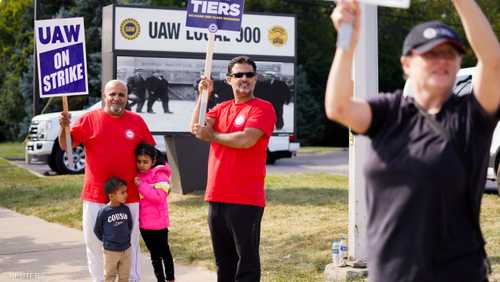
[
  {"x": 109, "y": 136},
  {"x": 239, "y": 131}
]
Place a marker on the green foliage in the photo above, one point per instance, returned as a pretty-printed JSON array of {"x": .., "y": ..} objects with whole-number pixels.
[
  {"x": 91, "y": 11},
  {"x": 16, "y": 39},
  {"x": 310, "y": 117},
  {"x": 168, "y": 3},
  {"x": 394, "y": 24}
]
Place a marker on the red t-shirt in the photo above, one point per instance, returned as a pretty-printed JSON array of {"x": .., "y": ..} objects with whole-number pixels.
[
  {"x": 109, "y": 144},
  {"x": 237, "y": 175}
]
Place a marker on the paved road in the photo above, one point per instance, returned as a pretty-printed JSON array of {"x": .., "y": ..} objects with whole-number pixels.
[{"x": 331, "y": 162}]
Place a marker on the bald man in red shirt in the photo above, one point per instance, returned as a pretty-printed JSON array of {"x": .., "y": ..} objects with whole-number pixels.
[{"x": 109, "y": 136}]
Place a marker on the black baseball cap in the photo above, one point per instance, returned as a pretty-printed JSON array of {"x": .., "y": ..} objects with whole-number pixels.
[{"x": 425, "y": 36}]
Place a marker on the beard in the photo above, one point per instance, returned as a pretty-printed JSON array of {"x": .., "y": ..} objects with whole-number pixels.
[
  {"x": 116, "y": 109},
  {"x": 244, "y": 88}
]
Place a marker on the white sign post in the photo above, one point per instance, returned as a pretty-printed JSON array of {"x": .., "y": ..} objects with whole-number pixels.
[
  {"x": 365, "y": 77},
  {"x": 62, "y": 63},
  {"x": 388, "y": 3}
]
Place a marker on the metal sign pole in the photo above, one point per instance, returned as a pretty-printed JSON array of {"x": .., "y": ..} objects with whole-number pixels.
[{"x": 365, "y": 73}]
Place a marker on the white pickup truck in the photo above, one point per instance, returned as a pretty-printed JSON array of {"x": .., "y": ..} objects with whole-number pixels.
[{"x": 42, "y": 145}]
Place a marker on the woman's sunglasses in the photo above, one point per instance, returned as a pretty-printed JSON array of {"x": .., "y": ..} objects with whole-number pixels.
[{"x": 241, "y": 74}]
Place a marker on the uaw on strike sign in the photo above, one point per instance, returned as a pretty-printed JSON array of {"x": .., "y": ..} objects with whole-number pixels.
[
  {"x": 215, "y": 15},
  {"x": 62, "y": 67}
]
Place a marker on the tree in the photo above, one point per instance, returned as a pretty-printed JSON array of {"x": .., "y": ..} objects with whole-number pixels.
[
  {"x": 310, "y": 119},
  {"x": 394, "y": 24},
  {"x": 16, "y": 40}
]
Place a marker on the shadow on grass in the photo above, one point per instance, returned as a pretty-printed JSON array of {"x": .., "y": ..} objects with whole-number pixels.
[
  {"x": 191, "y": 200},
  {"x": 22, "y": 196},
  {"x": 307, "y": 196},
  {"x": 494, "y": 260},
  {"x": 285, "y": 196}
]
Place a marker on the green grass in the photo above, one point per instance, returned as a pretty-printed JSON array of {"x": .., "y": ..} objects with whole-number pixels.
[
  {"x": 12, "y": 150},
  {"x": 304, "y": 213},
  {"x": 318, "y": 150}
]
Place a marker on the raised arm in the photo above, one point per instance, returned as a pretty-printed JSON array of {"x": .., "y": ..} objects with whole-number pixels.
[
  {"x": 340, "y": 105},
  {"x": 64, "y": 120},
  {"x": 484, "y": 43},
  {"x": 204, "y": 84}
]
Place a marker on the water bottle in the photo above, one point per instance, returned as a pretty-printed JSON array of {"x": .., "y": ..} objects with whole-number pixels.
[
  {"x": 335, "y": 252},
  {"x": 342, "y": 252}
]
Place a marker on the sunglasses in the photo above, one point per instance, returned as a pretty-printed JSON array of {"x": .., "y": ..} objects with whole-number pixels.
[{"x": 249, "y": 74}]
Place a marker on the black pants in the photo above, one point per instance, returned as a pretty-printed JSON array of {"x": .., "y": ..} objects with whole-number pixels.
[
  {"x": 152, "y": 97},
  {"x": 235, "y": 232},
  {"x": 157, "y": 244}
]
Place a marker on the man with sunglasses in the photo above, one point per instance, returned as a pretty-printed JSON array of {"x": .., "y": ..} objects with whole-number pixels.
[{"x": 239, "y": 131}]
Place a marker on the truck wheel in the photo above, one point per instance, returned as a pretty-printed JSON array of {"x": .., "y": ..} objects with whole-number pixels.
[
  {"x": 52, "y": 162},
  {"x": 61, "y": 164},
  {"x": 270, "y": 159},
  {"x": 498, "y": 180}
]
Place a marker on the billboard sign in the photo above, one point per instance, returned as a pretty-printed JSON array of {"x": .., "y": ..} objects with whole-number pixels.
[
  {"x": 62, "y": 63},
  {"x": 164, "y": 30},
  {"x": 161, "y": 61},
  {"x": 223, "y": 14}
]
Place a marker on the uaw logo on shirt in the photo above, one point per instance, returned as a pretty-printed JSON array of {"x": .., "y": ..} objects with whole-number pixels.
[
  {"x": 277, "y": 36},
  {"x": 239, "y": 120},
  {"x": 130, "y": 29},
  {"x": 129, "y": 134}
]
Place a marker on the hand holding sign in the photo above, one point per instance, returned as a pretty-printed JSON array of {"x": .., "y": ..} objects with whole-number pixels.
[
  {"x": 206, "y": 73},
  {"x": 62, "y": 68},
  {"x": 213, "y": 15},
  {"x": 345, "y": 17}
]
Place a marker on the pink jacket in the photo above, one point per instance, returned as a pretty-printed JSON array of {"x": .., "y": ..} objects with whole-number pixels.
[{"x": 153, "y": 192}]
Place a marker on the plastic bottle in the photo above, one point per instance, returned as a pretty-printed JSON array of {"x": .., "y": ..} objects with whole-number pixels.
[
  {"x": 342, "y": 252},
  {"x": 335, "y": 252}
]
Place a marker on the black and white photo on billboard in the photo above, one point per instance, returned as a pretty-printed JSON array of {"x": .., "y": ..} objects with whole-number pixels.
[{"x": 163, "y": 90}]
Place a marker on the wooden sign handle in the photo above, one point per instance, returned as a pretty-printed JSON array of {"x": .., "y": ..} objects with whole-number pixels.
[
  {"x": 207, "y": 72},
  {"x": 69, "y": 147}
]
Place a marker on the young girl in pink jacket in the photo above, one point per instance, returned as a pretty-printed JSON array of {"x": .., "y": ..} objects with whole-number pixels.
[{"x": 153, "y": 182}]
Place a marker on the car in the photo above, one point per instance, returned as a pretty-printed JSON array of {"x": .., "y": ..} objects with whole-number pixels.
[{"x": 463, "y": 86}]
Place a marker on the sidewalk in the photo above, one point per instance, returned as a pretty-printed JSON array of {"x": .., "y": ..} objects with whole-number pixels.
[{"x": 34, "y": 249}]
